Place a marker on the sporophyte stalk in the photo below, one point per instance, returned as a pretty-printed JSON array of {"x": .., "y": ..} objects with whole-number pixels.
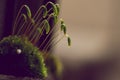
[{"x": 21, "y": 54}]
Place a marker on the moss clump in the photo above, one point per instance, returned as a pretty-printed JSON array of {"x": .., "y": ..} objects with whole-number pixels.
[{"x": 19, "y": 57}]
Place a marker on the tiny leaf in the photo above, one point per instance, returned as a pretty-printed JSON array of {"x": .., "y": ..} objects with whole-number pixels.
[{"x": 69, "y": 41}]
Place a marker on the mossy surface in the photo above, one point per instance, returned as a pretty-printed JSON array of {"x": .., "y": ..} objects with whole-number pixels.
[{"x": 21, "y": 58}]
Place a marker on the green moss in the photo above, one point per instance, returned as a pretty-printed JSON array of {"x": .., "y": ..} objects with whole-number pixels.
[{"x": 19, "y": 57}]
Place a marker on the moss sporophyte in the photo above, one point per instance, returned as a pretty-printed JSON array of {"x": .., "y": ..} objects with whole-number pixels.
[{"x": 20, "y": 53}]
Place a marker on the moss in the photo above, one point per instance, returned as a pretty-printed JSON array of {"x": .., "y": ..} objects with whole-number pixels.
[{"x": 21, "y": 58}]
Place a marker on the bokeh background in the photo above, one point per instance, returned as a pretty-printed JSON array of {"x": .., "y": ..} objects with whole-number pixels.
[{"x": 94, "y": 26}]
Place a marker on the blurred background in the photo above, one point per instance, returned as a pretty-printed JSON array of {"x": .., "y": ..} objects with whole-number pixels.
[{"x": 94, "y": 27}]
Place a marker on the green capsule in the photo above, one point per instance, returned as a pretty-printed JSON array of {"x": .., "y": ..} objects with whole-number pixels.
[
  {"x": 54, "y": 17},
  {"x": 62, "y": 27},
  {"x": 53, "y": 7},
  {"x": 28, "y": 11},
  {"x": 47, "y": 26},
  {"x": 58, "y": 9},
  {"x": 44, "y": 11},
  {"x": 64, "y": 30},
  {"x": 69, "y": 41}
]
